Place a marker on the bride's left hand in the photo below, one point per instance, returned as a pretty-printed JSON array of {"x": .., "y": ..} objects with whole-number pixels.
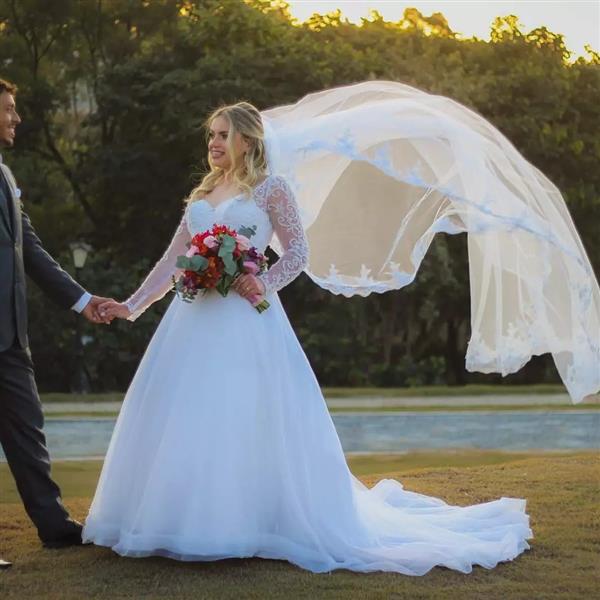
[
  {"x": 248, "y": 285},
  {"x": 112, "y": 309}
]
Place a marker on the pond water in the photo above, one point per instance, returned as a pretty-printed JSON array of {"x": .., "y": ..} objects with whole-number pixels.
[{"x": 391, "y": 432}]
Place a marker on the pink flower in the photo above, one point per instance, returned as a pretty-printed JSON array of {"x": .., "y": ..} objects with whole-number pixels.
[
  {"x": 243, "y": 243},
  {"x": 192, "y": 251},
  {"x": 251, "y": 267},
  {"x": 210, "y": 241}
]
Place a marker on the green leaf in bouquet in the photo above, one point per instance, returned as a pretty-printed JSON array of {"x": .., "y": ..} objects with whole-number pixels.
[
  {"x": 231, "y": 267},
  {"x": 247, "y": 231},
  {"x": 227, "y": 245},
  {"x": 226, "y": 253},
  {"x": 222, "y": 286},
  {"x": 198, "y": 263},
  {"x": 227, "y": 280},
  {"x": 183, "y": 262}
]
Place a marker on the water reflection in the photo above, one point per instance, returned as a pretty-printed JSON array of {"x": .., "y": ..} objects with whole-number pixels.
[{"x": 395, "y": 432}]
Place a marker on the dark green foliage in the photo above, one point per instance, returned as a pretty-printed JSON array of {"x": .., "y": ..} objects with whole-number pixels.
[{"x": 113, "y": 94}]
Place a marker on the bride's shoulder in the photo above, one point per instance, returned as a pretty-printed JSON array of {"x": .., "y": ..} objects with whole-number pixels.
[
  {"x": 273, "y": 184},
  {"x": 271, "y": 191}
]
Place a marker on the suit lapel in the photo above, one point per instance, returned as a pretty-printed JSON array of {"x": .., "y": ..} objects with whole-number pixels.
[
  {"x": 5, "y": 216},
  {"x": 17, "y": 227},
  {"x": 12, "y": 197},
  {"x": 4, "y": 208}
]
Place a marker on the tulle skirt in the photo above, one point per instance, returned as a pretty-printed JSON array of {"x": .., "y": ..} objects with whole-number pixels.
[{"x": 224, "y": 448}]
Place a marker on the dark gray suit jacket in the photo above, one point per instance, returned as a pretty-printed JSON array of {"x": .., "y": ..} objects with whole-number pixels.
[{"x": 21, "y": 253}]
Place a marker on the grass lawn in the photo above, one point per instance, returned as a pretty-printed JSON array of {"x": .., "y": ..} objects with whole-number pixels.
[
  {"x": 562, "y": 492},
  {"x": 383, "y": 409},
  {"x": 359, "y": 392},
  {"x": 444, "y": 390}
]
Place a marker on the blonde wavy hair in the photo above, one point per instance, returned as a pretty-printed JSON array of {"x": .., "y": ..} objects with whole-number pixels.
[{"x": 243, "y": 118}]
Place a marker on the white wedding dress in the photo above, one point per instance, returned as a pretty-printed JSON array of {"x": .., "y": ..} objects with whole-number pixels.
[{"x": 224, "y": 446}]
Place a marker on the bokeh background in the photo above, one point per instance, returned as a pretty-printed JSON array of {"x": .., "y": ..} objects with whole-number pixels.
[{"x": 113, "y": 94}]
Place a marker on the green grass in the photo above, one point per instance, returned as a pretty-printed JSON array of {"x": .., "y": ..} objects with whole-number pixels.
[
  {"x": 443, "y": 390},
  {"x": 78, "y": 478},
  {"x": 82, "y": 415},
  {"x": 562, "y": 500},
  {"x": 66, "y": 397},
  {"x": 473, "y": 407},
  {"x": 361, "y": 392},
  {"x": 383, "y": 409}
]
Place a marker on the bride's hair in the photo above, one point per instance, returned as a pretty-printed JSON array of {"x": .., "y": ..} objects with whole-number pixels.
[{"x": 243, "y": 118}]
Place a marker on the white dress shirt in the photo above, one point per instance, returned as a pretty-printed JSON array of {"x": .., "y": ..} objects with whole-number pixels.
[{"x": 82, "y": 302}]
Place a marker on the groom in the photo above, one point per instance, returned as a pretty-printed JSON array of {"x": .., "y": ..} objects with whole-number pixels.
[{"x": 21, "y": 417}]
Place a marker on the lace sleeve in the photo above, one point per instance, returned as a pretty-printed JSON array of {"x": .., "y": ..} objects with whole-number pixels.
[
  {"x": 285, "y": 218},
  {"x": 159, "y": 280}
]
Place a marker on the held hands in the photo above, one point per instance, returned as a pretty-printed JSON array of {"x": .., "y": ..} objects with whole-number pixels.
[
  {"x": 105, "y": 310},
  {"x": 91, "y": 312},
  {"x": 112, "y": 309}
]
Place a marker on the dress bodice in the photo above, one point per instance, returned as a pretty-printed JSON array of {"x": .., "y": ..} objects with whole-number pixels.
[
  {"x": 271, "y": 208},
  {"x": 234, "y": 212}
]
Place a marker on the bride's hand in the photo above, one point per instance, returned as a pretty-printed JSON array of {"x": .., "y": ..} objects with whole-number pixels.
[
  {"x": 112, "y": 309},
  {"x": 248, "y": 286}
]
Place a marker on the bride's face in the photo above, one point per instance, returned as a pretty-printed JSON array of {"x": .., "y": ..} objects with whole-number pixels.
[{"x": 218, "y": 147}]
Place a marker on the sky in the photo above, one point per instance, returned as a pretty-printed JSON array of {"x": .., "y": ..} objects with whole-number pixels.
[{"x": 577, "y": 20}]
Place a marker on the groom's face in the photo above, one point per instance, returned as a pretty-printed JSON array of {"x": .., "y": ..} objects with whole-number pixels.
[{"x": 9, "y": 119}]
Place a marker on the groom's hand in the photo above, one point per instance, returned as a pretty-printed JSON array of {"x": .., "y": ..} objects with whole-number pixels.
[{"x": 91, "y": 312}]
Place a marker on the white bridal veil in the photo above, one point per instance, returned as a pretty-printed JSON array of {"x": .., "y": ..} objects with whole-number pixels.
[{"x": 379, "y": 168}]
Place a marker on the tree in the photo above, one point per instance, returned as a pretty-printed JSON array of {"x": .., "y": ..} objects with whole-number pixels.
[{"x": 114, "y": 94}]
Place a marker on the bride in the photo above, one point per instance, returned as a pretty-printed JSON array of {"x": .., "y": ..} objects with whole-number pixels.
[{"x": 224, "y": 446}]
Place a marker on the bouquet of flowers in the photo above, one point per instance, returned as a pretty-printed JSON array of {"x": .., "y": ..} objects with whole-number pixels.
[{"x": 215, "y": 259}]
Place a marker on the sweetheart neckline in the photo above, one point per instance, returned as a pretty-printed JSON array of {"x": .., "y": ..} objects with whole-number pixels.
[{"x": 214, "y": 207}]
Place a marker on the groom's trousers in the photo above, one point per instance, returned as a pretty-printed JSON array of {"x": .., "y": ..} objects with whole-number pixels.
[{"x": 24, "y": 443}]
